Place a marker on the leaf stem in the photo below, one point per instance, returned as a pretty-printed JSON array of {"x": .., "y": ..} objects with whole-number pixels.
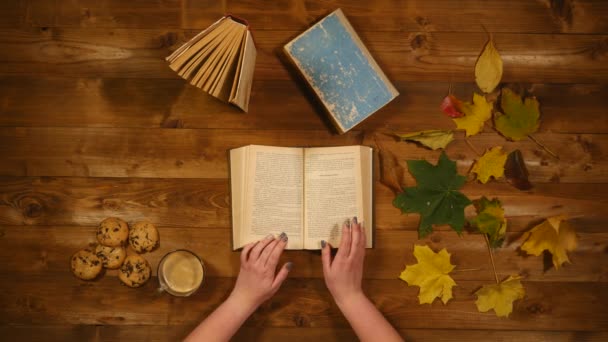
[
  {"x": 491, "y": 258},
  {"x": 471, "y": 146},
  {"x": 543, "y": 147},
  {"x": 466, "y": 270}
]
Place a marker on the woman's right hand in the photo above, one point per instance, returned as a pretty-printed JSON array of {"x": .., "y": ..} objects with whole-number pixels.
[{"x": 344, "y": 273}]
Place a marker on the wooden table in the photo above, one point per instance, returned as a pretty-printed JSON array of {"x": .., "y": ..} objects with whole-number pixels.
[{"x": 94, "y": 124}]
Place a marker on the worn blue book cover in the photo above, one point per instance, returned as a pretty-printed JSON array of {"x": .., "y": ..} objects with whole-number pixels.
[{"x": 341, "y": 71}]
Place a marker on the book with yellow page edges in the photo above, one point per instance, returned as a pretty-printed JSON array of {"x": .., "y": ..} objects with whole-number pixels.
[
  {"x": 220, "y": 60},
  {"x": 341, "y": 71}
]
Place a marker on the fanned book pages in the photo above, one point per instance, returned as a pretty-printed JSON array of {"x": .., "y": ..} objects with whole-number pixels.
[
  {"x": 305, "y": 192},
  {"x": 341, "y": 71},
  {"x": 220, "y": 60}
]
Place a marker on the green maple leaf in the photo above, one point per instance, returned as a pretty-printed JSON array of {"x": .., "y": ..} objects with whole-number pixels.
[
  {"x": 490, "y": 220},
  {"x": 520, "y": 116},
  {"x": 435, "y": 197}
]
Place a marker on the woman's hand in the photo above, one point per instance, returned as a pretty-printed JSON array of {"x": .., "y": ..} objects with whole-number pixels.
[
  {"x": 343, "y": 275},
  {"x": 257, "y": 281}
]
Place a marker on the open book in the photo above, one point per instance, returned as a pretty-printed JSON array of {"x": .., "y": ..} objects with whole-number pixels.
[
  {"x": 307, "y": 193},
  {"x": 220, "y": 60}
]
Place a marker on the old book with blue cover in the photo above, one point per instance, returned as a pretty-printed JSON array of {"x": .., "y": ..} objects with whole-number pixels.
[{"x": 341, "y": 71}]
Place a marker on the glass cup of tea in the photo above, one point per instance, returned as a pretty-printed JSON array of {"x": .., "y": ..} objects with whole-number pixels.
[{"x": 180, "y": 273}]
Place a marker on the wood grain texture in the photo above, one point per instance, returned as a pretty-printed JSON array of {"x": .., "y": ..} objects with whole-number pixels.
[
  {"x": 581, "y": 16},
  {"x": 187, "y": 153},
  {"x": 93, "y": 124},
  {"x": 302, "y": 302},
  {"x": 205, "y": 203},
  {"x": 403, "y": 56},
  {"x": 48, "y": 250},
  {"x": 172, "y": 103},
  {"x": 155, "y": 333}
]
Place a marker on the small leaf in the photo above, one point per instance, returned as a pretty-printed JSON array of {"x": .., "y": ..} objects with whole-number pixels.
[
  {"x": 554, "y": 235},
  {"x": 516, "y": 171},
  {"x": 475, "y": 115},
  {"x": 488, "y": 69},
  {"x": 435, "y": 197},
  {"x": 391, "y": 173},
  {"x": 451, "y": 106},
  {"x": 431, "y": 274},
  {"x": 500, "y": 297},
  {"x": 491, "y": 164},
  {"x": 520, "y": 116},
  {"x": 490, "y": 220},
  {"x": 433, "y": 139}
]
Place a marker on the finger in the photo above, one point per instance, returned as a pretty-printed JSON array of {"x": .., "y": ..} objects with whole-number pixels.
[
  {"x": 325, "y": 257},
  {"x": 345, "y": 241},
  {"x": 254, "y": 255},
  {"x": 273, "y": 258},
  {"x": 282, "y": 275},
  {"x": 363, "y": 235},
  {"x": 245, "y": 252},
  {"x": 266, "y": 252},
  {"x": 356, "y": 237}
]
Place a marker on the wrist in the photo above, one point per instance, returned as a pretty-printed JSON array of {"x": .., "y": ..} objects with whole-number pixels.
[
  {"x": 242, "y": 303},
  {"x": 351, "y": 300}
]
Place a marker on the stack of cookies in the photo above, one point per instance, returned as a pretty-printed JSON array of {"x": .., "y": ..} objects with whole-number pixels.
[{"x": 111, "y": 252}]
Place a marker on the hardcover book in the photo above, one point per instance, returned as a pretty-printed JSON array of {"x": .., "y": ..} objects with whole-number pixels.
[
  {"x": 220, "y": 60},
  {"x": 307, "y": 193},
  {"x": 341, "y": 71}
]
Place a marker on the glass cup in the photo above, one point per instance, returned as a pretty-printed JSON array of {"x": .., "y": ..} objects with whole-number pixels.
[{"x": 180, "y": 273}]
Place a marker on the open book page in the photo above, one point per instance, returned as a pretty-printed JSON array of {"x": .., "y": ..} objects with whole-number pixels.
[
  {"x": 238, "y": 158},
  {"x": 241, "y": 90},
  {"x": 273, "y": 192},
  {"x": 367, "y": 181},
  {"x": 333, "y": 192}
]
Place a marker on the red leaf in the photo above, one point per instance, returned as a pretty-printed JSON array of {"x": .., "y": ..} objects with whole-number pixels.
[{"x": 451, "y": 106}]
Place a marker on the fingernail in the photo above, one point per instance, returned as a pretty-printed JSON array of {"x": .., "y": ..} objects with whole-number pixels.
[
  {"x": 355, "y": 220},
  {"x": 283, "y": 237},
  {"x": 269, "y": 236},
  {"x": 347, "y": 223},
  {"x": 323, "y": 243},
  {"x": 289, "y": 266}
]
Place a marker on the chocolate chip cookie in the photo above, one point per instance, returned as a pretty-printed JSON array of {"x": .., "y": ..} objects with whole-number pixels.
[
  {"x": 111, "y": 257},
  {"x": 143, "y": 237},
  {"x": 135, "y": 271},
  {"x": 86, "y": 265},
  {"x": 112, "y": 232}
]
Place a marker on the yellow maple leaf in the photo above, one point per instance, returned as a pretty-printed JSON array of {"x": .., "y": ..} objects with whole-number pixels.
[
  {"x": 554, "y": 235},
  {"x": 475, "y": 114},
  {"x": 433, "y": 139},
  {"x": 488, "y": 69},
  {"x": 500, "y": 297},
  {"x": 430, "y": 274},
  {"x": 491, "y": 164}
]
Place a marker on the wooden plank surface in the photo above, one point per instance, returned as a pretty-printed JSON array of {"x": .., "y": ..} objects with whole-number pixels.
[
  {"x": 404, "y": 56},
  {"x": 93, "y": 124},
  {"x": 205, "y": 203},
  {"x": 188, "y": 153},
  {"x": 172, "y": 103},
  {"x": 303, "y": 302},
  {"x": 48, "y": 249},
  {"x": 60, "y": 333},
  {"x": 581, "y": 16}
]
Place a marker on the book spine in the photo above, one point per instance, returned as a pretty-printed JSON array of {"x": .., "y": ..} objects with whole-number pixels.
[{"x": 242, "y": 21}]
